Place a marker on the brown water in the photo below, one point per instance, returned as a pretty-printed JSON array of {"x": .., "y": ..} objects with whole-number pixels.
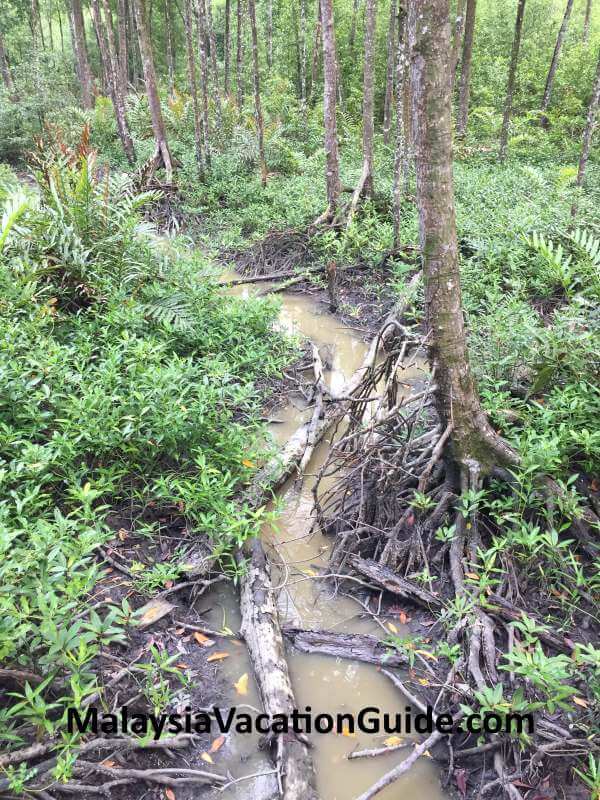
[{"x": 326, "y": 684}]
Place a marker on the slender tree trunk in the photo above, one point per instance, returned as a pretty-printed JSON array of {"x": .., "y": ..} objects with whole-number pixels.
[
  {"x": 115, "y": 67},
  {"x": 303, "y": 57},
  {"x": 457, "y": 399},
  {"x": 134, "y": 48},
  {"x": 6, "y": 73},
  {"x": 388, "y": 101},
  {"x": 239, "y": 55},
  {"x": 270, "y": 34},
  {"x": 36, "y": 26},
  {"x": 400, "y": 154},
  {"x": 465, "y": 73},
  {"x": 257, "y": 107},
  {"x": 123, "y": 50},
  {"x": 353, "y": 23},
  {"x": 162, "y": 153},
  {"x": 213, "y": 58},
  {"x": 104, "y": 32},
  {"x": 332, "y": 172},
  {"x": 554, "y": 63},
  {"x": 79, "y": 45},
  {"x": 204, "y": 78},
  {"x": 512, "y": 74},
  {"x": 169, "y": 43},
  {"x": 586, "y": 20},
  {"x": 50, "y": 33},
  {"x": 457, "y": 32},
  {"x": 227, "y": 47},
  {"x": 199, "y": 132},
  {"x": 588, "y": 133},
  {"x": 364, "y": 187},
  {"x": 60, "y": 33},
  {"x": 314, "y": 72}
]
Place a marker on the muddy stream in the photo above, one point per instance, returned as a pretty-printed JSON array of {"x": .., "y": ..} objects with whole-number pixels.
[{"x": 325, "y": 684}]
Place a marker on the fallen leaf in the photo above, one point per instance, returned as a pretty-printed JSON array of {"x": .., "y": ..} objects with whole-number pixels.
[
  {"x": 207, "y": 758},
  {"x": 203, "y": 640},
  {"x": 153, "y": 611},
  {"x": 169, "y": 794},
  {"x": 581, "y": 702},
  {"x": 217, "y": 744},
  {"x": 181, "y": 665},
  {"x": 122, "y": 534},
  {"x": 403, "y": 617},
  {"x": 108, "y": 763},
  {"x": 423, "y": 681},
  {"x": 218, "y": 656},
  {"x": 392, "y": 627},
  {"x": 247, "y": 463},
  {"x": 347, "y": 732},
  {"x": 241, "y": 686},
  {"x": 460, "y": 776},
  {"x": 427, "y": 654},
  {"x": 392, "y": 741},
  {"x": 473, "y": 575}
]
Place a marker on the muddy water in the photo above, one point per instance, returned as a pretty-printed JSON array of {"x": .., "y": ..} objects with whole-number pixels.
[{"x": 325, "y": 684}]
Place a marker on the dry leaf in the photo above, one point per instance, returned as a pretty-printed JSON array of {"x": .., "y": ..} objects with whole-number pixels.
[
  {"x": 181, "y": 665},
  {"x": 153, "y": 611},
  {"x": 207, "y": 758},
  {"x": 241, "y": 686},
  {"x": 423, "y": 681},
  {"x": 581, "y": 702},
  {"x": 108, "y": 763},
  {"x": 404, "y": 618},
  {"x": 169, "y": 794},
  {"x": 347, "y": 732},
  {"x": 473, "y": 575},
  {"x": 392, "y": 741},
  {"x": 392, "y": 627},
  {"x": 217, "y": 744},
  {"x": 247, "y": 463},
  {"x": 427, "y": 654},
  {"x": 218, "y": 656},
  {"x": 203, "y": 640},
  {"x": 122, "y": 534}
]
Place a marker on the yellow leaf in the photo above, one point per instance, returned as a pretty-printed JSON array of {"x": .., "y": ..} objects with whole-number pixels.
[
  {"x": 392, "y": 741},
  {"x": 423, "y": 681},
  {"x": 581, "y": 702},
  {"x": 217, "y": 744},
  {"x": 427, "y": 654},
  {"x": 392, "y": 627},
  {"x": 169, "y": 794},
  {"x": 473, "y": 575},
  {"x": 218, "y": 656},
  {"x": 347, "y": 732},
  {"x": 108, "y": 763},
  {"x": 247, "y": 463},
  {"x": 203, "y": 640},
  {"x": 241, "y": 686},
  {"x": 207, "y": 758},
  {"x": 181, "y": 665}
]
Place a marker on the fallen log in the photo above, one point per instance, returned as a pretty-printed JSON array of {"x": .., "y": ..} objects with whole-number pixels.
[
  {"x": 356, "y": 646},
  {"x": 273, "y": 276},
  {"x": 262, "y": 633},
  {"x": 384, "y": 577}
]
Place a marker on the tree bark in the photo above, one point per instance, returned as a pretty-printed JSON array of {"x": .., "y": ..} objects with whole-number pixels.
[
  {"x": 400, "y": 153},
  {"x": 162, "y": 154},
  {"x": 332, "y": 170},
  {"x": 465, "y": 73},
  {"x": 169, "y": 43},
  {"x": 586, "y": 20},
  {"x": 204, "y": 79},
  {"x": 262, "y": 634},
  {"x": 353, "y": 646},
  {"x": 473, "y": 440},
  {"x": 212, "y": 42},
  {"x": 554, "y": 63},
  {"x": 353, "y": 23},
  {"x": 316, "y": 52},
  {"x": 588, "y": 133},
  {"x": 260, "y": 130},
  {"x": 199, "y": 132},
  {"x": 303, "y": 57},
  {"x": 6, "y": 73},
  {"x": 123, "y": 49},
  {"x": 389, "y": 73},
  {"x": 227, "y": 48},
  {"x": 79, "y": 45},
  {"x": 60, "y": 32},
  {"x": 512, "y": 74},
  {"x": 106, "y": 43},
  {"x": 457, "y": 32},
  {"x": 369, "y": 97},
  {"x": 270, "y": 34},
  {"x": 239, "y": 55}
]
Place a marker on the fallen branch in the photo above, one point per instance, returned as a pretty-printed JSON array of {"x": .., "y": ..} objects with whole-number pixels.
[{"x": 356, "y": 646}]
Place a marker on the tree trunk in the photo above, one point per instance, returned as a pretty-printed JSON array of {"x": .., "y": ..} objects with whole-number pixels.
[
  {"x": 400, "y": 154},
  {"x": 106, "y": 43},
  {"x": 586, "y": 21},
  {"x": 169, "y": 43},
  {"x": 262, "y": 634},
  {"x": 239, "y": 55},
  {"x": 50, "y": 33},
  {"x": 134, "y": 46},
  {"x": 227, "y": 47},
  {"x": 554, "y": 63},
  {"x": 389, "y": 73},
  {"x": 270, "y": 34},
  {"x": 303, "y": 57},
  {"x": 353, "y": 23},
  {"x": 332, "y": 170},
  {"x": 199, "y": 132},
  {"x": 457, "y": 32},
  {"x": 369, "y": 97},
  {"x": 465, "y": 73},
  {"x": 60, "y": 32},
  {"x": 316, "y": 52},
  {"x": 512, "y": 74},
  {"x": 212, "y": 42},
  {"x": 588, "y": 133},
  {"x": 260, "y": 131},
  {"x": 83, "y": 66},
  {"x": 162, "y": 154},
  {"x": 201, "y": 36},
  {"x": 123, "y": 50},
  {"x": 473, "y": 439},
  {"x": 6, "y": 73}
]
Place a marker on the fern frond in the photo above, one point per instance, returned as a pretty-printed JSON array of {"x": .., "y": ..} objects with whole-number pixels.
[
  {"x": 14, "y": 209},
  {"x": 588, "y": 243},
  {"x": 173, "y": 310}
]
